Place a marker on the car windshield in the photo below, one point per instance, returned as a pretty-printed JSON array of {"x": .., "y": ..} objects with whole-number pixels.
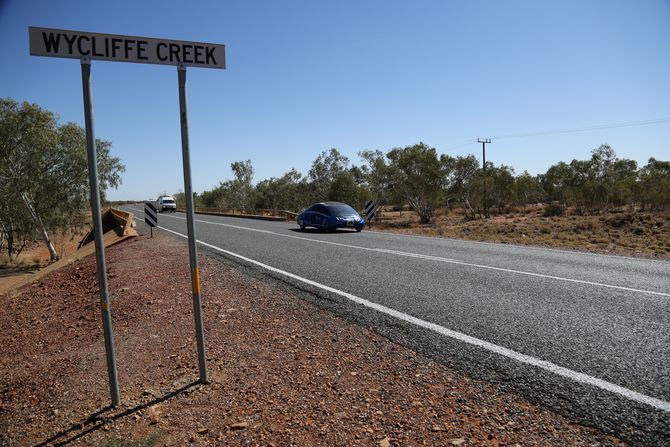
[
  {"x": 168, "y": 201},
  {"x": 342, "y": 210}
]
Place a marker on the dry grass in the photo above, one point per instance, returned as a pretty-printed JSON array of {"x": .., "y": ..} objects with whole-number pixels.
[
  {"x": 35, "y": 257},
  {"x": 624, "y": 232}
]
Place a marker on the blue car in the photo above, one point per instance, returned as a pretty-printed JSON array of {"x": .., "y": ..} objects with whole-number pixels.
[{"x": 330, "y": 216}]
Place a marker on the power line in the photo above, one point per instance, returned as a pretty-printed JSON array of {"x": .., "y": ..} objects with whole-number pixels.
[
  {"x": 462, "y": 144},
  {"x": 567, "y": 130},
  {"x": 585, "y": 129}
]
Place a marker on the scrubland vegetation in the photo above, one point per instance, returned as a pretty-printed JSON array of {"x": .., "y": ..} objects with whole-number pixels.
[
  {"x": 43, "y": 176},
  {"x": 602, "y": 203},
  {"x": 418, "y": 178}
]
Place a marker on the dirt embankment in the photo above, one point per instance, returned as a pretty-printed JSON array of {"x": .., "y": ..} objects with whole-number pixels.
[
  {"x": 624, "y": 232},
  {"x": 34, "y": 261},
  {"x": 283, "y": 372}
]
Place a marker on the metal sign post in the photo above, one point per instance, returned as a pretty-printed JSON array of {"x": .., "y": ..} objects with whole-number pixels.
[
  {"x": 97, "y": 232},
  {"x": 192, "y": 249},
  {"x": 88, "y": 46}
]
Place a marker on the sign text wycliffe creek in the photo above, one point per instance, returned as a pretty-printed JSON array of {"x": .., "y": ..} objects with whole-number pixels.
[{"x": 112, "y": 47}]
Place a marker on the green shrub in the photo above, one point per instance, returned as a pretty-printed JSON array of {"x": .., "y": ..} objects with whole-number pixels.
[
  {"x": 620, "y": 221},
  {"x": 553, "y": 209}
]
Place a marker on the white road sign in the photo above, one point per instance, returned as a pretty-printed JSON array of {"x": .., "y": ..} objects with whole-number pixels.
[
  {"x": 113, "y": 47},
  {"x": 144, "y": 50}
]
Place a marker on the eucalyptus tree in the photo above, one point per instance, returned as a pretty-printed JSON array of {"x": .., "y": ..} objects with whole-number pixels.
[
  {"x": 43, "y": 170},
  {"x": 27, "y": 132},
  {"x": 464, "y": 182},
  {"x": 288, "y": 192},
  {"x": 654, "y": 186},
  {"x": 528, "y": 189},
  {"x": 376, "y": 175},
  {"x": 416, "y": 175},
  {"x": 241, "y": 189},
  {"x": 326, "y": 166}
]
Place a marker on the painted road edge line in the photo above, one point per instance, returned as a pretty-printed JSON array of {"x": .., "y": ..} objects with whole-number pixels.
[
  {"x": 440, "y": 259},
  {"x": 523, "y": 358}
]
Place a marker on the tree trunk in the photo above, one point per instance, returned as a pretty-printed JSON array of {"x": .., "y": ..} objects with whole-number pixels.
[
  {"x": 40, "y": 225},
  {"x": 10, "y": 245},
  {"x": 465, "y": 204},
  {"x": 425, "y": 213}
]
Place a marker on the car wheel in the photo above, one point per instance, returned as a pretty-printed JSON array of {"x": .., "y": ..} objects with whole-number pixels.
[
  {"x": 302, "y": 228},
  {"x": 359, "y": 229}
]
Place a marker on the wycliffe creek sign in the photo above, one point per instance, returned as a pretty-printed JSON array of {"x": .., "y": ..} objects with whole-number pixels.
[
  {"x": 112, "y": 47},
  {"x": 144, "y": 50}
]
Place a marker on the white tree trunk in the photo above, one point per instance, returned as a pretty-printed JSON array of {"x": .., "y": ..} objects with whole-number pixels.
[{"x": 45, "y": 236}]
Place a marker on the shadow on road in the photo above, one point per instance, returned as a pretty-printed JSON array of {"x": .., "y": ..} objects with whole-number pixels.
[{"x": 320, "y": 231}]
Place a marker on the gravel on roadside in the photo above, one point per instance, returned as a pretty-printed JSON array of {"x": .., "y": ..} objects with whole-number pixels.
[{"x": 283, "y": 371}]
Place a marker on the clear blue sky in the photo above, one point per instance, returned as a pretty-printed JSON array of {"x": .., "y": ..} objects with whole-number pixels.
[{"x": 305, "y": 76}]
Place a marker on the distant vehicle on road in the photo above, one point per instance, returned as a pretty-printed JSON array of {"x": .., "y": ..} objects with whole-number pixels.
[
  {"x": 166, "y": 204},
  {"x": 330, "y": 216}
]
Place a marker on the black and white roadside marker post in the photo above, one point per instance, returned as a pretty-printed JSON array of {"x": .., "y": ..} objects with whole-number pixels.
[
  {"x": 150, "y": 216},
  {"x": 370, "y": 210},
  {"x": 111, "y": 47}
]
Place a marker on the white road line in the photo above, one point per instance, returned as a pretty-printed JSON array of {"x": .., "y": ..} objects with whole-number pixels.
[
  {"x": 438, "y": 259},
  {"x": 525, "y": 247},
  {"x": 523, "y": 358}
]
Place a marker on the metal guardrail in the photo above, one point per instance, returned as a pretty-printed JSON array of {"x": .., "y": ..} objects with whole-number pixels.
[
  {"x": 113, "y": 219},
  {"x": 125, "y": 219},
  {"x": 262, "y": 213}
]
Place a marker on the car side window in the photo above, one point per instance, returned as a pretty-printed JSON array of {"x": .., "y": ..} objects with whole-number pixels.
[{"x": 321, "y": 209}]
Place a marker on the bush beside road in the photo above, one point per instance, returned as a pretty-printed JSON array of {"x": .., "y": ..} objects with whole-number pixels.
[
  {"x": 282, "y": 370},
  {"x": 628, "y": 232}
]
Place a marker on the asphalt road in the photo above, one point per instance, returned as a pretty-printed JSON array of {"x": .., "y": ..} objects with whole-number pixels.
[{"x": 585, "y": 334}]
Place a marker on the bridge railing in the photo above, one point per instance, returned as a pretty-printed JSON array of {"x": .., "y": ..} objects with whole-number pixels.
[{"x": 262, "y": 213}]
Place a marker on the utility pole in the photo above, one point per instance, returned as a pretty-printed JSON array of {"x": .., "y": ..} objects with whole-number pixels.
[{"x": 486, "y": 197}]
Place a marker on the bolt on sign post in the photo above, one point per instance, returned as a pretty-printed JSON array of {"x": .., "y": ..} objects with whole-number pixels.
[{"x": 86, "y": 47}]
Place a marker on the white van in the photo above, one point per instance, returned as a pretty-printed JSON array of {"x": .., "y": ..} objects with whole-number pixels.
[{"x": 166, "y": 203}]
